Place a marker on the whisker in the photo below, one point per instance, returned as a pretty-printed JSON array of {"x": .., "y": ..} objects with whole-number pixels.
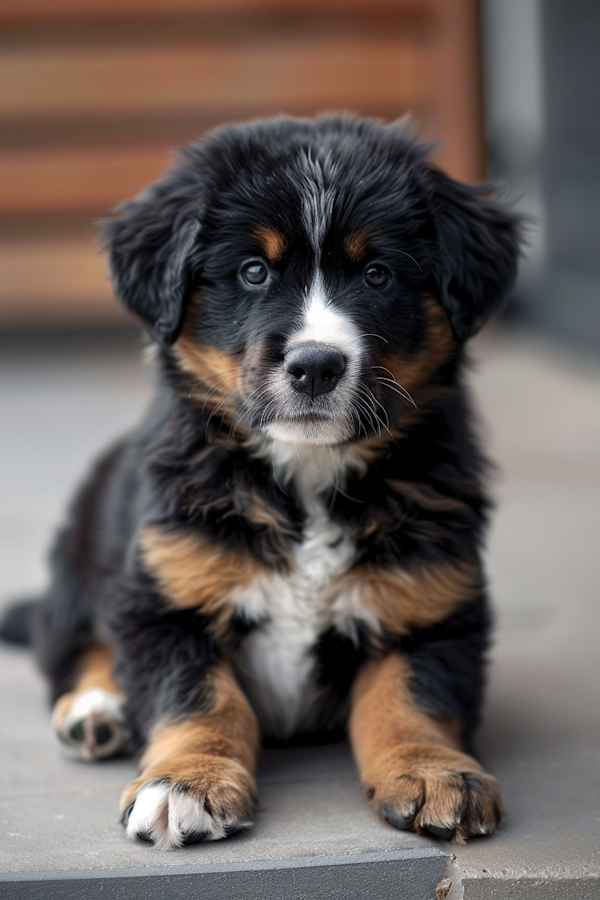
[
  {"x": 402, "y": 253},
  {"x": 371, "y": 416},
  {"x": 372, "y": 399},
  {"x": 394, "y": 386},
  {"x": 369, "y": 393},
  {"x": 253, "y": 397},
  {"x": 381, "y": 338},
  {"x": 401, "y": 390},
  {"x": 214, "y": 411},
  {"x": 381, "y": 423},
  {"x": 214, "y": 390},
  {"x": 359, "y": 423}
]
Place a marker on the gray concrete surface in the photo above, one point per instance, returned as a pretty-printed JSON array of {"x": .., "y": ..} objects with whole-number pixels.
[{"x": 315, "y": 836}]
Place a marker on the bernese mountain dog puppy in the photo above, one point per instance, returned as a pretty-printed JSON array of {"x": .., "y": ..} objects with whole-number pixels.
[{"x": 288, "y": 546}]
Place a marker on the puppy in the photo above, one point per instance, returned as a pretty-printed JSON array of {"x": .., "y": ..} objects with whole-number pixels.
[{"x": 288, "y": 546}]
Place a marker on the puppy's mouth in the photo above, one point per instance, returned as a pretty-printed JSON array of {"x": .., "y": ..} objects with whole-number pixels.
[
  {"x": 309, "y": 428},
  {"x": 308, "y": 418}
]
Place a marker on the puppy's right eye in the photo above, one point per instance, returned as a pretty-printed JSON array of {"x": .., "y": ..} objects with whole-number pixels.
[{"x": 254, "y": 272}]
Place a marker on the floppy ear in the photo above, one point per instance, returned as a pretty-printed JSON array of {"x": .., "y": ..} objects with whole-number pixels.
[
  {"x": 153, "y": 249},
  {"x": 478, "y": 244}
]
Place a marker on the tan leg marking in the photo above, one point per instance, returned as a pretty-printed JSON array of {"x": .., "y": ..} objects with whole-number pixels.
[
  {"x": 89, "y": 720},
  {"x": 412, "y": 766},
  {"x": 197, "y": 775}
]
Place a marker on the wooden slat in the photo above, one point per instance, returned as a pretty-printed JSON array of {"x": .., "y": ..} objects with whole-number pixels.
[
  {"x": 81, "y": 180},
  {"x": 71, "y": 68},
  {"x": 269, "y": 76},
  {"x": 55, "y": 280},
  {"x": 31, "y": 9},
  {"x": 457, "y": 79},
  {"x": 76, "y": 180}
]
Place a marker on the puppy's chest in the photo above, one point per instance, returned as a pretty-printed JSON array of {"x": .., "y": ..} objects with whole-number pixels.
[{"x": 277, "y": 659}]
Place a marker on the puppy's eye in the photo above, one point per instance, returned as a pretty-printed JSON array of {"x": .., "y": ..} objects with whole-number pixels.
[
  {"x": 254, "y": 272},
  {"x": 377, "y": 276}
]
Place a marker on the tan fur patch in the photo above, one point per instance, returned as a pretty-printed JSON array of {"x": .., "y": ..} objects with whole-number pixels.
[
  {"x": 410, "y": 764},
  {"x": 219, "y": 373},
  {"x": 414, "y": 372},
  {"x": 212, "y": 754},
  {"x": 425, "y": 496},
  {"x": 218, "y": 376},
  {"x": 356, "y": 245},
  {"x": 272, "y": 241},
  {"x": 263, "y": 516},
  {"x": 194, "y": 573},
  {"x": 419, "y": 596},
  {"x": 95, "y": 669}
]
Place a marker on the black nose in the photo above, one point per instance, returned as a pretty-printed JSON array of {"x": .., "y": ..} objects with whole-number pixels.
[{"x": 315, "y": 368}]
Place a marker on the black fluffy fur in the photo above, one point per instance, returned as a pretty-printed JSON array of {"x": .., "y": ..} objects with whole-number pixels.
[{"x": 184, "y": 468}]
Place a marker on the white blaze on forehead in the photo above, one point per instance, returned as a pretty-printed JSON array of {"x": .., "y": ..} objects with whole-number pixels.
[
  {"x": 317, "y": 197},
  {"x": 323, "y": 323}
]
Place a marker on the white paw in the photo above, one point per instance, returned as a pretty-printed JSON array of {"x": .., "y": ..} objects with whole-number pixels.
[
  {"x": 94, "y": 726},
  {"x": 170, "y": 817}
]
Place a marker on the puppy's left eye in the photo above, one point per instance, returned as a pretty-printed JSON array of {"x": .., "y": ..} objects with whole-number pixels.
[
  {"x": 377, "y": 276},
  {"x": 254, "y": 272}
]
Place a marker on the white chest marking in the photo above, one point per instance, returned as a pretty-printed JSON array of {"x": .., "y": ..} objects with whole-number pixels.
[{"x": 276, "y": 658}]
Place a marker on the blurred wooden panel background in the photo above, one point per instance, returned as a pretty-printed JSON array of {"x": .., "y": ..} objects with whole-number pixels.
[{"x": 94, "y": 95}]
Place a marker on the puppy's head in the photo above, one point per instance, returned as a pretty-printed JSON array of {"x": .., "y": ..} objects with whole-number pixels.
[{"x": 311, "y": 275}]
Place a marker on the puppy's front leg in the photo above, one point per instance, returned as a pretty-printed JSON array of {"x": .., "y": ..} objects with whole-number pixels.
[
  {"x": 411, "y": 765},
  {"x": 197, "y": 780}
]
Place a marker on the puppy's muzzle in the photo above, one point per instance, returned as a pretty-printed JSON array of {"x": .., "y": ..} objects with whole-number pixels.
[{"x": 314, "y": 368}]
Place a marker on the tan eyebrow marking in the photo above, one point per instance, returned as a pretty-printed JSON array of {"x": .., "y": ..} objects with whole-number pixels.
[
  {"x": 356, "y": 244},
  {"x": 273, "y": 241}
]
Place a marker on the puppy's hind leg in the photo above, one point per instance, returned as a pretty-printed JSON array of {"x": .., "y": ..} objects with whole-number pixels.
[{"x": 89, "y": 721}]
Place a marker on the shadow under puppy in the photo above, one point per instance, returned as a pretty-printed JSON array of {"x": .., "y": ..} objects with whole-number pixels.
[{"x": 288, "y": 546}]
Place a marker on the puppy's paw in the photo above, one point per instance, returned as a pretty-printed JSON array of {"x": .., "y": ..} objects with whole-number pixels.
[
  {"x": 194, "y": 799},
  {"x": 436, "y": 791},
  {"x": 91, "y": 724}
]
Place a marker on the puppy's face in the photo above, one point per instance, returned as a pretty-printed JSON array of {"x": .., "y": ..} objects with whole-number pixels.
[
  {"x": 315, "y": 296},
  {"x": 316, "y": 270}
]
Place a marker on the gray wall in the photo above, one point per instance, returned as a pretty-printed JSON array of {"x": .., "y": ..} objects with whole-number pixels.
[
  {"x": 571, "y": 65},
  {"x": 543, "y": 115}
]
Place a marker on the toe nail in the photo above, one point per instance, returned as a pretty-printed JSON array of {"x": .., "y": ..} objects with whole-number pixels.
[
  {"x": 444, "y": 833},
  {"x": 397, "y": 819},
  {"x": 126, "y": 814},
  {"x": 193, "y": 837}
]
